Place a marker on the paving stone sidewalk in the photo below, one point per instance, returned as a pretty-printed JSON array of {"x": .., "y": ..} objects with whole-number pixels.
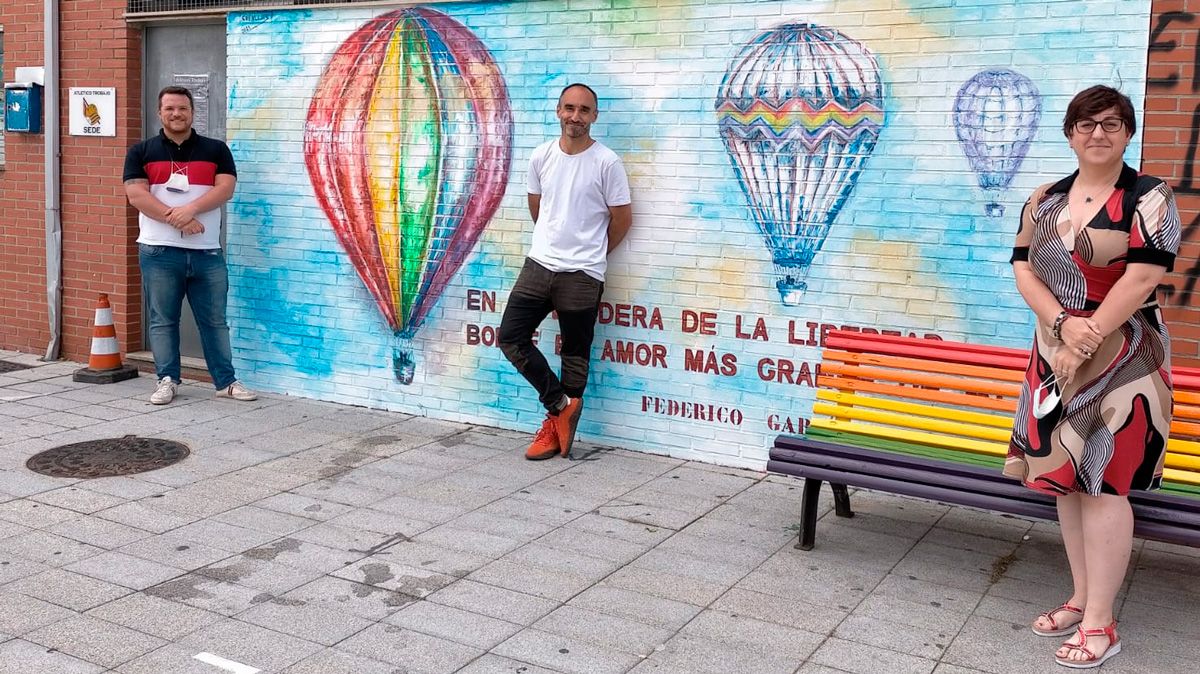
[{"x": 303, "y": 537}]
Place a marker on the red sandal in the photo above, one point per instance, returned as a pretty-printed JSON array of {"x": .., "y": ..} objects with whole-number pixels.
[
  {"x": 1092, "y": 660},
  {"x": 1056, "y": 629}
]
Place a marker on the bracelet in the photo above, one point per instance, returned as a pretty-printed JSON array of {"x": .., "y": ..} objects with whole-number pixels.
[{"x": 1056, "y": 331}]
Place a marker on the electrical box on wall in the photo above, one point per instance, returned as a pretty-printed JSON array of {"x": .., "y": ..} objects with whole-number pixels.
[
  {"x": 23, "y": 107},
  {"x": 23, "y": 100}
]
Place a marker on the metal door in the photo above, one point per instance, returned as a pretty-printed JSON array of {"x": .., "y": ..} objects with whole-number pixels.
[{"x": 192, "y": 55}]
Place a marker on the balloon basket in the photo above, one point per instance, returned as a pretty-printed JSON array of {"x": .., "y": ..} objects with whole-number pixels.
[
  {"x": 791, "y": 291},
  {"x": 994, "y": 210},
  {"x": 404, "y": 366}
]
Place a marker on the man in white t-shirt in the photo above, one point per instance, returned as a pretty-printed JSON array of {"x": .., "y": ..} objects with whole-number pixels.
[{"x": 579, "y": 201}]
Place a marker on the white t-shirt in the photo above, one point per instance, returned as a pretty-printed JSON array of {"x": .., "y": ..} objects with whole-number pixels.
[{"x": 571, "y": 232}]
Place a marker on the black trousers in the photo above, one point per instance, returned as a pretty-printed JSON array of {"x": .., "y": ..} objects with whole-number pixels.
[{"x": 537, "y": 292}]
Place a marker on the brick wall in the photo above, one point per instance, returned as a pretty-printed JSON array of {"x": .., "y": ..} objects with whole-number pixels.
[
  {"x": 23, "y": 322},
  {"x": 98, "y": 49},
  {"x": 1172, "y": 121},
  {"x": 99, "y": 227},
  {"x": 699, "y": 353}
]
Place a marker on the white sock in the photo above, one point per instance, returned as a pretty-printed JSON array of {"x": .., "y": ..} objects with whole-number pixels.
[{"x": 562, "y": 404}]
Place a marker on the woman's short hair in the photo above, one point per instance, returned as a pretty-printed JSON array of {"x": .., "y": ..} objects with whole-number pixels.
[{"x": 1097, "y": 99}]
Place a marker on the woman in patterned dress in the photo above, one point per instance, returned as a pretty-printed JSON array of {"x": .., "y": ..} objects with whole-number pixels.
[{"x": 1095, "y": 408}]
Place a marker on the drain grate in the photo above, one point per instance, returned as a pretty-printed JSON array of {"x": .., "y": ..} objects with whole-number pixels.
[
  {"x": 108, "y": 458},
  {"x": 9, "y": 366}
]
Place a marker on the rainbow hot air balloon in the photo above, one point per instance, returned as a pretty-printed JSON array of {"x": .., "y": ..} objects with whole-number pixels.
[
  {"x": 408, "y": 144},
  {"x": 800, "y": 109},
  {"x": 996, "y": 115}
]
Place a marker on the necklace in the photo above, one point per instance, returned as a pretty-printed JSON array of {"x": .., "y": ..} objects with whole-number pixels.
[
  {"x": 1106, "y": 186},
  {"x": 1089, "y": 198}
]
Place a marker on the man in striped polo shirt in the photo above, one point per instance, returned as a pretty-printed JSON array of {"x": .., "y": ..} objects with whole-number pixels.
[{"x": 178, "y": 180}]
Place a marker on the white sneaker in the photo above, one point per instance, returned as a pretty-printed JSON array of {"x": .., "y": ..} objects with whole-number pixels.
[
  {"x": 165, "y": 392},
  {"x": 237, "y": 392}
]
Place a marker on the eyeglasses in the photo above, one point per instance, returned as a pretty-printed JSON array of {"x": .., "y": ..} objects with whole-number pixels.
[{"x": 1109, "y": 124}]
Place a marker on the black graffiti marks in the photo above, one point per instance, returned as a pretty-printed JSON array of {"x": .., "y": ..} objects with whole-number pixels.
[
  {"x": 1168, "y": 293},
  {"x": 1186, "y": 181},
  {"x": 1158, "y": 45}
]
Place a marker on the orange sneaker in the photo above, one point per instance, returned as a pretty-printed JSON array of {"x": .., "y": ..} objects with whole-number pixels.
[
  {"x": 566, "y": 422},
  {"x": 545, "y": 442}
]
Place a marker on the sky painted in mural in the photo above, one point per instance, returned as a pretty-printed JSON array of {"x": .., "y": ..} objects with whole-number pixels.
[{"x": 911, "y": 246}]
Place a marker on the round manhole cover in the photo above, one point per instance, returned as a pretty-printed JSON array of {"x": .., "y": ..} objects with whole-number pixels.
[{"x": 108, "y": 458}]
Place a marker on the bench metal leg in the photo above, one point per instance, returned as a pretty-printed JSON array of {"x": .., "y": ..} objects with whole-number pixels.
[
  {"x": 841, "y": 500},
  {"x": 809, "y": 503}
]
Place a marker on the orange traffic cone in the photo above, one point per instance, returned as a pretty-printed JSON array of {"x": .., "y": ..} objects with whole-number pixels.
[{"x": 104, "y": 363}]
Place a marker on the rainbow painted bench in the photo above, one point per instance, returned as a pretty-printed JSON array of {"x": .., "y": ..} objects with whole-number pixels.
[{"x": 932, "y": 419}]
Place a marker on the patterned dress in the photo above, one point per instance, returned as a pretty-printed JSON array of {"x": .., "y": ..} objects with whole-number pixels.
[{"x": 1108, "y": 433}]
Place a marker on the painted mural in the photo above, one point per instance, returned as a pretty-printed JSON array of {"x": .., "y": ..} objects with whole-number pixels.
[
  {"x": 408, "y": 143},
  {"x": 996, "y": 115},
  {"x": 800, "y": 110},
  {"x": 828, "y": 130}
]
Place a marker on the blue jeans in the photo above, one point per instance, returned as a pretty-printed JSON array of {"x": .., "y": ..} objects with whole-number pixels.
[{"x": 168, "y": 275}]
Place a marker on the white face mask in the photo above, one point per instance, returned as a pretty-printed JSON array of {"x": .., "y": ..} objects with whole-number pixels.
[
  {"x": 178, "y": 182},
  {"x": 1043, "y": 406}
]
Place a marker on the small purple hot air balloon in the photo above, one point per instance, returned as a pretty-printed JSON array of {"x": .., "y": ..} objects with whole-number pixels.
[{"x": 996, "y": 115}]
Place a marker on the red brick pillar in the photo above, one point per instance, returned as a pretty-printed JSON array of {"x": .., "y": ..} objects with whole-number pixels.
[
  {"x": 1172, "y": 136},
  {"x": 23, "y": 322},
  {"x": 97, "y": 49},
  {"x": 99, "y": 228}
]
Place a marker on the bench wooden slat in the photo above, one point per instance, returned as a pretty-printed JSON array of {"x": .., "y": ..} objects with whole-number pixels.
[
  {"x": 1185, "y": 378},
  {"x": 957, "y": 352},
  {"x": 923, "y": 365},
  {"x": 1184, "y": 463},
  {"x": 906, "y": 422},
  {"x": 1184, "y": 428},
  {"x": 889, "y": 444},
  {"x": 1010, "y": 390},
  {"x": 917, "y": 437},
  {"x": 1186, "y": 397},
  {"x": 1181, "y": 476},
  {"x": 1181, "y": 489},
  {"x": 1008, "y": 405},
  {"x": 919, "y": 472},
  {"x": 1184, "y": 411},
  {"x": 917, "y": 409},
  {"x": 1180, "y": 446}
]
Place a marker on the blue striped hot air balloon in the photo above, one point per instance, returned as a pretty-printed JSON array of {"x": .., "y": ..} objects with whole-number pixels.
[{"x": 800, "y": 109}]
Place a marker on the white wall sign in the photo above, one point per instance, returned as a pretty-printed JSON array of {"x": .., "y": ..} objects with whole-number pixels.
[
  {"x": 198, "y": 85},
  {"x": 93, "y": 112}
]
